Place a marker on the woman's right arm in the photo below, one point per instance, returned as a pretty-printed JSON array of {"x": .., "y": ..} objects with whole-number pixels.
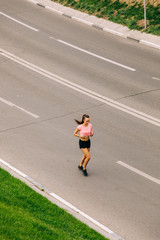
[{"x": 75, "y": 133}]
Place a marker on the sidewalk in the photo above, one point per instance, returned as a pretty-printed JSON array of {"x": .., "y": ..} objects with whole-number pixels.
[{"x": 99, "y": 23}]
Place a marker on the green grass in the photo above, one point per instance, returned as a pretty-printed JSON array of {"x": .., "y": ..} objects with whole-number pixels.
[
  {"x": 131, "y": 16},
  {"x": 26, "y": 215}
]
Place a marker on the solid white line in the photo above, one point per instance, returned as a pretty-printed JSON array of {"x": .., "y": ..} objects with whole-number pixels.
[
  {"x": 20, "y": 108},
  {"x": 15, "y": 20},
  {"x": 95, "y": 55},
  {"x": 13, "y": 168},
  {"x": 82, "y": 90},
  {"x": 17, "y": 171},
  {"x": 32, "y": 1},
  {"x": 150, "y": 43},
  {"x": 82, "y": 21},
  {"x": 81, "y": 213},
  {"x": 54, "y": 10},
  {"x": 139, "y": 172},
  {"x": 4, "y": 163},
  {"x": 155, "y": 78},
  {"x": 114, "y": 32}
]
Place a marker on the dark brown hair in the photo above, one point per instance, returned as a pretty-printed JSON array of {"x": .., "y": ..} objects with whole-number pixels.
[{"x": 83, "y": 118}]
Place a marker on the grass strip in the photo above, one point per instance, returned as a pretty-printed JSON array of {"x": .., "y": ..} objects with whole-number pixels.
[
  {"x": 130, "y": 14},
  {"x": 26, "y": 215}
]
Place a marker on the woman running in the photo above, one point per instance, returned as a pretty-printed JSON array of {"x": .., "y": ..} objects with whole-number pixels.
[{"x": 85, "y": 129}]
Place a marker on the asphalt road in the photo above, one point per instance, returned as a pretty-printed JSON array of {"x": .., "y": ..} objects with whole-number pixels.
[{"x": 38, "y": 108}]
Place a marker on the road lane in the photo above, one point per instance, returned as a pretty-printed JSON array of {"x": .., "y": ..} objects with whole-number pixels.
[
  {"x": 111, "y": 194},
  {"x": 46, "y": 150},
  {"x": 67, "y": 29},
  {"x": 138, "y": 90},
  {"x": 78, "y": 88}
]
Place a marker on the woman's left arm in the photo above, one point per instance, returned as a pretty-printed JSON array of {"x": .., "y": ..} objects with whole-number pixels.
[{"x": 92, "y": 132}]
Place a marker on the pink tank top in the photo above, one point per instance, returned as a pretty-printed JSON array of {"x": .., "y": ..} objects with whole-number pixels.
[{"x": 85, "y": 131}]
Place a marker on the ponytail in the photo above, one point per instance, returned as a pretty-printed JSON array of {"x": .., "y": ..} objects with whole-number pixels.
[{"x": 83, "y": 118}]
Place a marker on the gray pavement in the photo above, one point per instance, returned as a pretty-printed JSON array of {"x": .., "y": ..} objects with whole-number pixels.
[{"x": 45, "y": 149}]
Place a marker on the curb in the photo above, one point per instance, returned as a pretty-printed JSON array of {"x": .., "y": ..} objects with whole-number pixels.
[
  {"x": 105, "y": 29},
  {"x": 92, "y": 223}
]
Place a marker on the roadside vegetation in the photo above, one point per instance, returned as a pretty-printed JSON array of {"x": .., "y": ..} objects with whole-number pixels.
[
  {"x": 127, "y": 12},
  {"x": 26, "y": 215}
]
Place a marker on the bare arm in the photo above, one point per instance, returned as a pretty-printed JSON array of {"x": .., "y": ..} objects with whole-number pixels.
[
  {"x": 75, "y": 133},
  {"x": 92, "y": 132}
]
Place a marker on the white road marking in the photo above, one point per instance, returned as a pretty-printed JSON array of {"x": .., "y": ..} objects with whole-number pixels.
[
  {"x": 81, "y": 213},
  {"x": 32, "y": 1},
  {"x": 155, "y": 78},
  {"x": 155, "y": 180},
  {"x": 114, "y": 32},
  {"x": 95, "y": 55},
  {"x": 82, "y": 21},
  {"x": 13, "y": 168},
  {"x": 6, "y": 102},
  {"x": 15, "y": 20},
  {"x": 53, "y": 9},
  {"x": 150, "y": 43},
  {"x": 20, "y": 108},
  {"x": 83, "y": 90},
  {"x": 64, "y": 201}
]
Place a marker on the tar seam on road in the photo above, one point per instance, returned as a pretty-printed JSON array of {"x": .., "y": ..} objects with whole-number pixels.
[{"x": 137, "y": 94}]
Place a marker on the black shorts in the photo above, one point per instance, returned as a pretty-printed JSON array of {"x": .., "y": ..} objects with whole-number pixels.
[{"x": 84, "y": 144}]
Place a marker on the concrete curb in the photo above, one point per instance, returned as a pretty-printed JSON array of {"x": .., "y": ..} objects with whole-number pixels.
[
  {"x": 100, "y": 24},
  {"x": 60, "y": 202}
]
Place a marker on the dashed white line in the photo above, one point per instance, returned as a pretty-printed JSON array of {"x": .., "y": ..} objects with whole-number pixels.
[
  {"x": 155, "y": 78},
  {"x": 6, "y": 102},
  {"x": 20, "y": 108},
  {"x": 83, "y": 90},
  {"x": 15, "y": 20},
  {"x": 95, "y": 55},
  {"x": 155, "y": 180}
]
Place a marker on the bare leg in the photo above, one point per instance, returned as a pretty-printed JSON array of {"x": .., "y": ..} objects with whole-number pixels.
[
  {"x": 86, "y": 152},
  {"x": 82, "y": 160}
]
